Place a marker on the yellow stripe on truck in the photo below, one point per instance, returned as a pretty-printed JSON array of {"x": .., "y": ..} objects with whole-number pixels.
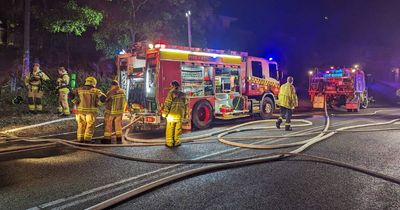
[{"x": 183, "y": 56}]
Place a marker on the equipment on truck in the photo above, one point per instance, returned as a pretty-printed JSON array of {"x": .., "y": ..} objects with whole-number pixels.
[
  {"x": 218, "y": 84},
  {"x": 341, "y": 87}
]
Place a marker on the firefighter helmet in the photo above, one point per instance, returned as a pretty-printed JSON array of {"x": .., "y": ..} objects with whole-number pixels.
[{"x": 91, "y": 81}]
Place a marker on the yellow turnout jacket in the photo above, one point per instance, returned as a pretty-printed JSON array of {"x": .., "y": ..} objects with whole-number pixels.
[
  {"x": 175, "y": 106},
  {"x": 115, "y": 102},
  {"x": 287, "y": 96}
]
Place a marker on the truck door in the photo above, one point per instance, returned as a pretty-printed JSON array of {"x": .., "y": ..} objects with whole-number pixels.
[
  {"x": 257, "y": 67},
  {"x": 273, "y": 70}
]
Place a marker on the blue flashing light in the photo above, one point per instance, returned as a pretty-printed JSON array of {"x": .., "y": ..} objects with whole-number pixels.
[
  {"x": 333, "y": 73},
  {"x": 122, "y": 52},
  {"x": 270, "y": 59}
]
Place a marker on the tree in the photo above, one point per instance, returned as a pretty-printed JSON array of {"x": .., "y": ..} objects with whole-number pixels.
[
  {"x": 71, "y": 19},
  {"x": 130, "y": 21}
]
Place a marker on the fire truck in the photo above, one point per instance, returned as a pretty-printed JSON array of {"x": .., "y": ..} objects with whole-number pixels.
[
  {"x": 341, "y": 87},
  {"x": 218, "y": 84}
]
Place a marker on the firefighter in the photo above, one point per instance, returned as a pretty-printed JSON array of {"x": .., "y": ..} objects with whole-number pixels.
[
  {"x": 34, "y": 84},
  {"x": 87, "y": 98},
  {"x": 115, "y": 107},
  {"x": 63, "y": 91},
  {"x": 175, "y": 111},
  {"x": 287, "y": 101}
]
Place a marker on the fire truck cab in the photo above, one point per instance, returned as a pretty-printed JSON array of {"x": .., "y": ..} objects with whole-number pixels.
[{"x": 218, "y": 85}]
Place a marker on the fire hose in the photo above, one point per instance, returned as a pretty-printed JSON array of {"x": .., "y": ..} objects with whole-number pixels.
[
  {"x": 255, "y": 160},
  {"x": 230, "y": 163}
]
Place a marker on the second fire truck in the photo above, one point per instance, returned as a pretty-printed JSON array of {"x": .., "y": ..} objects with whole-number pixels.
[
  {"x": 340, "y": 87},
  {"x": 218, "y": 84}
]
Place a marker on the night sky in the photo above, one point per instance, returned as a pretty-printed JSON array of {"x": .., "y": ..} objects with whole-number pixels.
[{"x": 302, "y": 34}]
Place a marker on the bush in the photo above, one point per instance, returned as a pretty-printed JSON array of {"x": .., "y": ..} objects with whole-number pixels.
[{"x": 50, "y": 99}]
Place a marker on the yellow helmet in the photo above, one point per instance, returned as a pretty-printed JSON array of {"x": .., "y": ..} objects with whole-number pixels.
[{"x": 91, "y": 81}]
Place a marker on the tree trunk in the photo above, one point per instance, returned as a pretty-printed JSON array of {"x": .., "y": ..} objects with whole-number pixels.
[
  {"x": 67, "y": 49},
  {"x": 26, "y": 63}
]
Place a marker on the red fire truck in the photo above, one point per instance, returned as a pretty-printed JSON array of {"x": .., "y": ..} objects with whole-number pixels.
[
  {"x": 341, "y": 87},
  {"x": 218, "y": 84}
]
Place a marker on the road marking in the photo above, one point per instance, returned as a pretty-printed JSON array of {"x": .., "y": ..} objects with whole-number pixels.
[{"x": 94, "y": 190}]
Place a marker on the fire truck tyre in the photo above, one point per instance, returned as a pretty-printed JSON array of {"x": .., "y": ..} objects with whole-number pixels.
[
  {"x": 267, "y": 108},
  {"x": 202, "y": 115}
]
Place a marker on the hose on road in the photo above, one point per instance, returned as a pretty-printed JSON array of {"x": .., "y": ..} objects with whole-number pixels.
[{"x": 270, "y": 157}]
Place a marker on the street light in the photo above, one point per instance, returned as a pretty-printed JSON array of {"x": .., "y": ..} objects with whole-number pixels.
[{"x": 188, "y": 14}]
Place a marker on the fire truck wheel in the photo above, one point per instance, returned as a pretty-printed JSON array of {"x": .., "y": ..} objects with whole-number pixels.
[
  {"x": 267, "y": 108},
  {"x": 202, "y": 114}
]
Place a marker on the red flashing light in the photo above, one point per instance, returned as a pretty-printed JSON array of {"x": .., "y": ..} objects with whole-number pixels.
[{"x": 150, "y": 119}]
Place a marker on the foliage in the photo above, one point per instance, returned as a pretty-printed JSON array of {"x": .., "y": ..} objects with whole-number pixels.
[
  {"x": 130, "y": 21},
  {"x": 73, "y": 19}
]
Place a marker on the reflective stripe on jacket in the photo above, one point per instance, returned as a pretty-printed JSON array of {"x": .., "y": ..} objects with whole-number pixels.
[
  {"x": 287, "y": 96},
  {"x": 115, "y": 102},
  {"x": 88, "y": 99},
  {"x": 175, "y": 107}
]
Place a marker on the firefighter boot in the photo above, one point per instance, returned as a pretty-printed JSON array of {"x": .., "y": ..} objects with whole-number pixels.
[
  {"x": 288, "y": 128},
  {"x": 278, "y": 123},
  {"x": 119, "y": 140}
]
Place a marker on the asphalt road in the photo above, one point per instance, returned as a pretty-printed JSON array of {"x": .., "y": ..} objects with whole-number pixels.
[{"x": 64, "y": 178}]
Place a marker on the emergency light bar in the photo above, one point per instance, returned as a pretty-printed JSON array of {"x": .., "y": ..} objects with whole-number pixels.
[
  {"x": 199, "y": 53},
  {"x": 333, "y": 73}
]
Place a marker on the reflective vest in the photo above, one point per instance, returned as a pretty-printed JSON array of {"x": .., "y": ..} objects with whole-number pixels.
[
  {"x": 88, "y": 99},
  {"x": 175, "y": 107},
  {"x": 287, "y": 96},
  {"x": 115, "y": 102}
]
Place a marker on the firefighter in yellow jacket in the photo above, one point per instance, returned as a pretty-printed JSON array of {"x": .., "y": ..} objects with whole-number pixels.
[
  {"x": 175, "y": 110},
  {"x": 63, "y": 91},
  {"x": 34, "y": 84},
  {"x": 87, "y": 98},
  {"x": 287, "y": 99},
  {"x": 115, "y": 107}
]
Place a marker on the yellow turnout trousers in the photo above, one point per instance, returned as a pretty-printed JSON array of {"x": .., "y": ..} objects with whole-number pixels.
[
  {"x": 35, "y": 99},
  {"x": 63, "y": 106},
  {"x": 85, "y": 126},
  {"x": 173, "y": 133},
  {"x": 108, "y": 125}
]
